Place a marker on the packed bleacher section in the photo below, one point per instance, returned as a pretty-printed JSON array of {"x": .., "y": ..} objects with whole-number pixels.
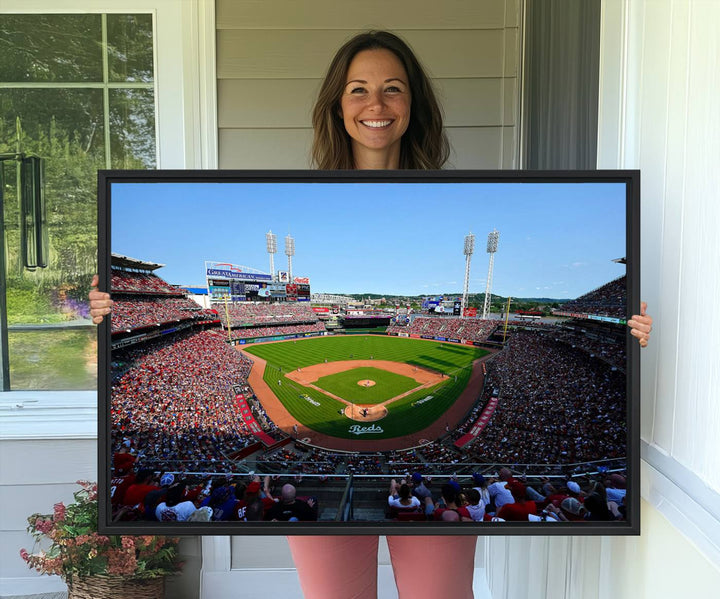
[
  {"x": 244, "y": 314},
  {"x": 142, "y": 299},
  {"x": 292, "y": 329},
  {"x": 172, "y": 401},
  {"x": 608, "y": 300},
  {"x": 557, "y": 405},
  {"x": 126, "y": 281},
  {"x": 140, "y": 312},
  {"x": 255, "y": 320},
  {"x": 595, "y": 344},
  {"x": 471, "y": 329}
]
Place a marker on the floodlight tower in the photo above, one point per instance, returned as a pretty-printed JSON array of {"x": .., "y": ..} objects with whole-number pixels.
[
  {"x": 492, "y": 244},
  {"x": 271, "y": 240},
  {"x": 468, "y": 251},
  {"x": 290, "y": 252}
]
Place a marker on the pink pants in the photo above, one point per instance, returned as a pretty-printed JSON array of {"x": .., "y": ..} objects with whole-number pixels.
[{"x": 334, "y": 567}]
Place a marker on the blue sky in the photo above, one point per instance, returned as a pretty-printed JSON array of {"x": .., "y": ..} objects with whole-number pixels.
[{"x": 556, "y": 239}]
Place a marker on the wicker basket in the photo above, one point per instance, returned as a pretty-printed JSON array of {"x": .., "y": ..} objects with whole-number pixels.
[{"x": 116, "y": 587}]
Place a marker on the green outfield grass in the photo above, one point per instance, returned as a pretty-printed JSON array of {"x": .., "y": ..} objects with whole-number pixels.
[
  {"x": 387, "y": 385},
  {"x": 320, "y": 412}
]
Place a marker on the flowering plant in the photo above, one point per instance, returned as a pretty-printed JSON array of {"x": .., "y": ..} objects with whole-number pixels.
[{"x": 76, "y": 549}]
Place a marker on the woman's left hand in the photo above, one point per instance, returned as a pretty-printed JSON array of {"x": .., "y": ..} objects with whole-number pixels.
[{"x": 641, "y": 325}]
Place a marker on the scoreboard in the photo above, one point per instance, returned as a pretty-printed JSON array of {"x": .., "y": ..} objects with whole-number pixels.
[{"x": 226, "y": 281}]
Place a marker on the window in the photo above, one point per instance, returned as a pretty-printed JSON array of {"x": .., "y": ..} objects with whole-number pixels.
[{"x": 77, "y": 90}]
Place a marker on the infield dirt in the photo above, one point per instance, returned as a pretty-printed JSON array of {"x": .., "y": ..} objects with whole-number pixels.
[{"x": 284, "y": 420}]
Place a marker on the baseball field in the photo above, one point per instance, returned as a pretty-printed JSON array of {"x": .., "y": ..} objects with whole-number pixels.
[{"x": 389, "y": 386}]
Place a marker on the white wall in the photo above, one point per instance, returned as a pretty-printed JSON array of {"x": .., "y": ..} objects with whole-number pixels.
[
  {"x": 659, "y": 90},
  {"x": 271, "y": 58}
]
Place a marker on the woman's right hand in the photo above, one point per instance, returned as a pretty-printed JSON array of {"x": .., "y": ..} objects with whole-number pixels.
[{"x": 100, "y": 302}]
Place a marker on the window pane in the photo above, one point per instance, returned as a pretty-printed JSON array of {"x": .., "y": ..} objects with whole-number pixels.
[
  {"x": 130, "y": 47},
  {"x": 52, "y": 344},
  {"x": 50, "y": 48},
  {"x": 74, "y": 116},
  {"x": 65, "y": 127},
  {"x": 55, "y": 359},
  {"x": 132, "y": 128}
]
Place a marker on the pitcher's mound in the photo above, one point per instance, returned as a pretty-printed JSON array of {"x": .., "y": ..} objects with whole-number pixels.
[
  {"x": 369, "y": 413},
  {"x": 366, "y": 383}
]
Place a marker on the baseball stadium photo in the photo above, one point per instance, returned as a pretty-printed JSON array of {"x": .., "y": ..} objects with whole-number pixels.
[{"x": 368, "y": 352}]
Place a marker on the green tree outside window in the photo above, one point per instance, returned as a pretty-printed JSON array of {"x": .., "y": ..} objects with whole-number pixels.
[{"x": 81, "y": 88}]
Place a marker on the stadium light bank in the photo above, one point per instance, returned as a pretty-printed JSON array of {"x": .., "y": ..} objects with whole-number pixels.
[
  {"x": 468, "y": 251},
  {"x": 492, "y": 245}
]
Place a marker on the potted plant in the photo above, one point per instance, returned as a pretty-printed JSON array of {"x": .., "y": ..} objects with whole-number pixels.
[{"x": 67, "y": 544}]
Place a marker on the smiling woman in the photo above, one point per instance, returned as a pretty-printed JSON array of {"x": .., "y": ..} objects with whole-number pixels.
[
  {"x": 364, "y": 105},
  {"x": 375, "y": 107}
]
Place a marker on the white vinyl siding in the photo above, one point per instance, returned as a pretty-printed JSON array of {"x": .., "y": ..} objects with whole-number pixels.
[{"x": 271, "y": 58}]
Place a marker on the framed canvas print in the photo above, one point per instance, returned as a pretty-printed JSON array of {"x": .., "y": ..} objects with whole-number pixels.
[{"x": 365, "y": 352}]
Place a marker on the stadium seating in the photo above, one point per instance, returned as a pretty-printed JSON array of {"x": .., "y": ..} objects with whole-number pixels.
[
  {"x": 608, "y": 300},
  {"x": 140, "y": 312},
  {"x": 471, "y": 329},
  {"x": 172, "y": 401},
  {"x": 124, "y": 281}
]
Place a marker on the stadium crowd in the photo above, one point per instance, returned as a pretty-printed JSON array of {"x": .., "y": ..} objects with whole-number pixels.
[
  {"x": 127, "y": 281},
  {"x": 556, "y": 405},
  {"x": 506, "y": 498},
  {"x": 364, "y": 464},
  {"x": 322, "y": 462},
  {"x": 402, "y": 461},
  {"x": 608, "y": 300},
  {"x": 172, "y": 402},
  {"x": 141, "y": 494},
  {"x": 264, "y": 313},
  {"x": 471, "y": 329},
  {"x": 139, "y": 312},
  {"x": 290, "y": 329}
]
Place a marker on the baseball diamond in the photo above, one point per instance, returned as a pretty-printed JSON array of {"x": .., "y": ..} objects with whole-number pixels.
[{"x": 313, "y": 384}]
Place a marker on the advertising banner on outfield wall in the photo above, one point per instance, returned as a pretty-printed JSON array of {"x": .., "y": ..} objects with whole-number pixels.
[{"x": 319, "y": 310}]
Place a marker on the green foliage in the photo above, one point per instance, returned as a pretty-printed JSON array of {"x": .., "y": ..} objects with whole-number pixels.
[{"x": 66, "y": 127}]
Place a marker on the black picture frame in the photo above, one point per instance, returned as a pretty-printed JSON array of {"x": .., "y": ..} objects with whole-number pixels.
[{"x": 630, "y": 179}]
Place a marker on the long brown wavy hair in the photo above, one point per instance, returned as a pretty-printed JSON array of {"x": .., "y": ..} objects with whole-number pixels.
[{"x": 424, "y": 144}]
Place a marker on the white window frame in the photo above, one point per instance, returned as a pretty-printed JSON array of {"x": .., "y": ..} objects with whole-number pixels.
[{"x": 186, "y": 138}]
